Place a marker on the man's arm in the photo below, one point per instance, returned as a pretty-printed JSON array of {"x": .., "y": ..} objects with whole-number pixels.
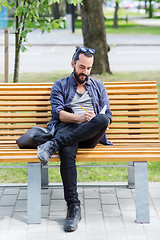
[{"x": 75, "y": 118}]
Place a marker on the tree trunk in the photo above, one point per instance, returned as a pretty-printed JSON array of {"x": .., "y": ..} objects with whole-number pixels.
[
  {"x": 115, "y": 22},
  {"x": 150, "y": 9},
  {"x": 94, "y": 34},
  {"x": 17, "y": 51},
  {"x": 16, "y": 63}
]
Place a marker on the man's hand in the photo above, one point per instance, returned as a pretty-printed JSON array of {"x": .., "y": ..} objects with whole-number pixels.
[{"x": 86, "y": 117}]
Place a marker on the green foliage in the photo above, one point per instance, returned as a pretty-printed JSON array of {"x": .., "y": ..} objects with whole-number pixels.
[{"x": 28, "y": 16}]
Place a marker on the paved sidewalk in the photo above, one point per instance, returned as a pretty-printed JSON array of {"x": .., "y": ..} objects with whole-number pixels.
[{"x": 108, "y": 213}]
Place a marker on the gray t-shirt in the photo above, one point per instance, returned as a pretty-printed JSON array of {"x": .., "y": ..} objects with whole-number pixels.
[{"x": 81, "y": 99}]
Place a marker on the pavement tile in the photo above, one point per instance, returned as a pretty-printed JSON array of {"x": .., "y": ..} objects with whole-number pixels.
[
  {"x": 16, "y": 235},
  {"x": 5, "y": 223},
  {"x": 39, "y": 235},
  {"x": 8, "y": 200},
  {"x": 6, "y": 211},
  {"x": 114, "y": 224},
  {"x": 91, "y": 193},
  {"x": 38, "y": 227},
  {"x": 107, "y": 190},
  {"x": 22, "y": 194},
  {"x": 21, "y": 205},
  {"x": 128, "y": 217},
  {"x": 126, "y": 204},
  {"x": 154, "y": 185},
  {"x": 55, "y": 232},
  {"x": 94, "y": 225},
  {"x": 156, "y": 203},
  {"x": 57, "y": 193},
  {"x": 92, "y": 204},
  {"x": 11, "y": 191},
  {"x": 135, "y": 230},
  {"x": 111, "y": 210},
  {"x": 44, "y": 211},
  {"x": 109, "y": 199},
  {"x": 116, "y": 235},
  {"x": 57, "y": 205},
  {"x": 154, "y": 225},
  {"x": 154, "y": 193},
  {"x": 153, "y": 235},
  {"x": 45, "y": 199},
  {"x": 19, "y": 219},
  {"x": 3, "y": 235},
  {"x": 124, "y": 193}
]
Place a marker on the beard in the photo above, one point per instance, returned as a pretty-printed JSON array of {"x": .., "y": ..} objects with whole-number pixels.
[{"x": 77, "y": 77}]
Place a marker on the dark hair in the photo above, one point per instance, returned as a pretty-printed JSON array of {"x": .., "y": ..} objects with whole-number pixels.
[{"x": 79, "y": 51}]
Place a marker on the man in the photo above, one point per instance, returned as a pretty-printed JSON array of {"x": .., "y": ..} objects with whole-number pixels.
[{"x": 77, "y": 102}]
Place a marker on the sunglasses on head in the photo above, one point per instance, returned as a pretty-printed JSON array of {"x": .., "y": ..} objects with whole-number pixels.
[{"x": 84, "y": 49}]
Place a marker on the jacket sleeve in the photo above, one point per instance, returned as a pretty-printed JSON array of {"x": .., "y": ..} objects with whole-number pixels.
[
  {"x": 105, "y": 101},
  {"x": 57, "y": 100}
]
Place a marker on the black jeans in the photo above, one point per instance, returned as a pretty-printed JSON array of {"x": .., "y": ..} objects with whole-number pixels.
[{"x": 69, "y": 138}]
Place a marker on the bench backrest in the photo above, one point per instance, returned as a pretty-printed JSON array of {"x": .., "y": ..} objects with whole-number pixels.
[{"x": 134, "y": 106}]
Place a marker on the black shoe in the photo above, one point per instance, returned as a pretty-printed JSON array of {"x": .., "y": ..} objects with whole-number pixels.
[
  {"x": 72, "y": 219},
  {"x": 46, "y": 150}
]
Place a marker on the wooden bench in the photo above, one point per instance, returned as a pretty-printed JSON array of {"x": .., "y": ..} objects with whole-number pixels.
[{"x": 134, "y": 132}]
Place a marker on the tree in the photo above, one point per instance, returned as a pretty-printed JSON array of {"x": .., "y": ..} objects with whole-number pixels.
[
  {"x": 94, "y": 34},
  {"x": 28, "y": 15},
  {"x": 115, "y": 21}
]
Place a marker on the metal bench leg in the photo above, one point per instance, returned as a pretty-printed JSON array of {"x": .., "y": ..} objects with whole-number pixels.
[
  {"x": 131, "y": 179},
  {"x": 34, "y": 193},
  {"x": 44, "y": 177},
  {"x": 141, "y": 192}
]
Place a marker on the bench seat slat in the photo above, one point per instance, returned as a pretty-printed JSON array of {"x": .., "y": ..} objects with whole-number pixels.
[
  {"x": 134, "y": 107},
  {"x": 24, "y": 120},
  {"x": 130, "y": 86},
  {"x": 129, "y": 126},
  {"x": 24, "y": 108},
  {"x": 135, "y": 119},
  {"x": 25, "y": 103},
  {"x": 32, "y": 107},
  {"x": 24, "y": 114},
  {"x": 110, "y": 131}
]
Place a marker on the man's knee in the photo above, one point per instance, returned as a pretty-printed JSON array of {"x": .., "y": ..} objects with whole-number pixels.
[{"x": 102, "y": 120}]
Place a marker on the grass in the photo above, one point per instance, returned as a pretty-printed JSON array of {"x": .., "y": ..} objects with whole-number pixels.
[
  {"x": 85, "y": 174},
  {"x": 125, "y": 28}
]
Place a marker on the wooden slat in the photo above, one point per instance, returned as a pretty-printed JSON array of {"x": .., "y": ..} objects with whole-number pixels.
[
  {"x": 135, "y": 113},
  {"x": 24, "y": 98},
  {"x": 46, "y": 114},
  {"x": 24, "y": 114},
  {"x": 32, "y": 108},
  {"x": 134, "y": 102},
  {"x": 133, "y": 136},
  {"x": 135, "y": 119},
  {"x": 19, "y": 126},
  {"x": 135, "y": 107},
  {"x": 24, "y": 120},
  {"x": 132, "y": 91},
  {"x": 133, "y": 97},
  {"x": 129, "y": 126},
  {"x": 131, "y": 131},
  {"x": 26, "y": 103},
  {"x": 130, "y": 86},
  {"x": 26, "y": 93},
  {"x": 129, "y": 82}
]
